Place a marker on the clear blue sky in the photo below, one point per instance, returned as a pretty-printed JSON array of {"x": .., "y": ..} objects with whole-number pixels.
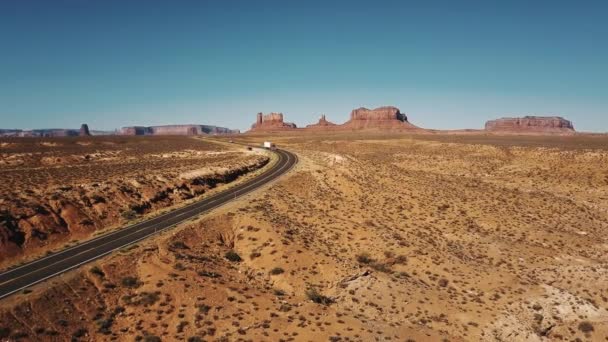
[{"x": 447, "y": 64}]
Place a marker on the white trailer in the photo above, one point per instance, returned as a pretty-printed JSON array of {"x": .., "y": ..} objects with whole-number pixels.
[{"x": 269, "y": 145}]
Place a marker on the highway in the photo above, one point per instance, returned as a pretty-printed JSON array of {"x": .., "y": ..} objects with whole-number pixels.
[{"x": 21, "y": 277}]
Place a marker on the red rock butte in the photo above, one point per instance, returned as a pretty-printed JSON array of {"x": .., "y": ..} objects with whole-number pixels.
[
  {"x": 531, "y": 124},
  {"x": 383, "y": 118},
  {"x": 272, "y": 121},
  {"x": 387, "y": 117},
  {"x": 322, "y": 123}
]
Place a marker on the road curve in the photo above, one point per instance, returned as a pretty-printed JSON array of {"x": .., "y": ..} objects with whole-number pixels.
[{"x": 18, "y": 278}]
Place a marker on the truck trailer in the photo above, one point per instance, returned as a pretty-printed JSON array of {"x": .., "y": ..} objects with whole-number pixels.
[{"x": 269, "y": 145}]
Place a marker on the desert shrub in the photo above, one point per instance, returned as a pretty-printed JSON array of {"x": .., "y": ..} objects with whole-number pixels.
[
  {"x": 317, "y": 297},
  {"x": 233, "y": 256},
  {"x": 98, "y": 199},
  {"x": 381, "y": 267},
  {"x": 79, "y": 333},
  {"x": 131, "y": 282},
  {"x": 148, "y": 298},
  {"x": 277, "y": 271},
  {"x": 179, "y": 245},
  {"x": 104, "y": 325},
  {"x": 97, "y": 271},
  {"x": 278, "y": 292},
  {"x": 585, "y": 327},
  {"x": 364, "y": 258},
  {"x": 152, "y": 338},
  {"x": 87, "y": 222},
  {"x": 5, "y": 332},
  {"x": 209, "y": 274},
  {"x": 203, "y": 308},
  {"x": 254, "y": 255},
  {"x": 195, "y": 339},
  {"x": 443, "y": 282},
  {"x": 128, "y": 214}
]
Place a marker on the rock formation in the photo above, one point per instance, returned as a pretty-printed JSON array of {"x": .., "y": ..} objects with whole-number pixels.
[
  {"x": 84, "y": 130},
  {"x": 272, "y": 121},
  {"x": 323, "y": 123},
  {"x": 531, "y": 124},
  {"x": 176, "y": 130},
  {"x": 384, "y": 118}
]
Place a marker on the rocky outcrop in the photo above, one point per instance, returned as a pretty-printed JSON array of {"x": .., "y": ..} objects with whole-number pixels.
[
  {"x": 387, "y": 117},
  {"x": 176, "y": 130},
  {"x": 272, "y": 121},
  {"x": 323, "y": 123},
  {"x": 45, "y": 133},
  {"x": 84, "y": 130},
  {"x": 531, "y": 124},
  {"x": 35, "y": 223}
]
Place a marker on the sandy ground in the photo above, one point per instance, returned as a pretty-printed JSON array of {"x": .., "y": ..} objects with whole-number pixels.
[
  {"x": 385, "y": 238},
  {"x": 58, "y": 191}
]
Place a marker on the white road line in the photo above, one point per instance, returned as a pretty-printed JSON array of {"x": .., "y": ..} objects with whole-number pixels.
[
  {"x": 262, "y": 179},
  {"x": 9, "y": 271}
]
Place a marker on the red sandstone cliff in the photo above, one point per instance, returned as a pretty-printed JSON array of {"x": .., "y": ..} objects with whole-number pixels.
[
  {"x": 531, "y": 124},
  {"x": 272, "y": 121},
  {"x": 383, "y": 118}
]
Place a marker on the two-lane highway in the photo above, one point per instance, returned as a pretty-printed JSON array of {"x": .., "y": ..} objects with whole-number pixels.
[{"x": 18, "y": 278}]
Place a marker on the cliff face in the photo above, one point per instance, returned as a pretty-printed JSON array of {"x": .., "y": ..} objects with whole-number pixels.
[
  {"x": 272, "y": 121},
  {"x": 531, "y": 124},
  {"x": 176, "y": 130},
  {"x": 383, "y": 118}
]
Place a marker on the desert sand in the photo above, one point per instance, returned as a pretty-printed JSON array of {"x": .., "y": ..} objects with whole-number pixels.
[{"x": 372, "y": 237}]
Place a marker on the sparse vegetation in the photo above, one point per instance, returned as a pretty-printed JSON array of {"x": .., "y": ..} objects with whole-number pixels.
[
  {"x": 585, "y": 327},
  {"x": 233, "y": 256},
  {"x": 97, "y": 271},
  {"x": 130, "y": 282},
  {"x": 314, "y": 295},
  {"x": 277, "y": 271}
]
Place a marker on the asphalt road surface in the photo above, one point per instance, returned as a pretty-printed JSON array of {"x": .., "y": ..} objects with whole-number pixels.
[{"x": 18, "y": 278}]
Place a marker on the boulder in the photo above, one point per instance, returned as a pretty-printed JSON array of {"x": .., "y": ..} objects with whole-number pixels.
[{"x": 531, "y": 124}]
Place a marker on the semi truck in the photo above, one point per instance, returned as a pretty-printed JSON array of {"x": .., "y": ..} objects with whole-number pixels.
[{"x": 269, "y": 145}]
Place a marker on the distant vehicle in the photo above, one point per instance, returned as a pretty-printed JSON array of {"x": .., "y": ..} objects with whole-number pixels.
[
  {"x": 269, "y": 145},
  {"x": 231, "y": 141}
]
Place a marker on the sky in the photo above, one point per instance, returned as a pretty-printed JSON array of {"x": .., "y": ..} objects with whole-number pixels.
[{"x": 446, "y": 64}]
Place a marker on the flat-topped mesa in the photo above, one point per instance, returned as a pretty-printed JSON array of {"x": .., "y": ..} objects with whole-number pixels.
[
  {"x": 322, "y": 123},
  {"x": 387, "y": 117},
  {"x": 531, "y": 124},
  {"x": 272, "y": 121},
  {"x": 176, "y": 130}
]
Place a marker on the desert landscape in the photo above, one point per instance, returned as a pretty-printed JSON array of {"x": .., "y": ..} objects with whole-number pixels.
[
  {"x": 392, "y": 236},
  {"x": 58, "y": 191},
  {"x": 212, "y": 171}
]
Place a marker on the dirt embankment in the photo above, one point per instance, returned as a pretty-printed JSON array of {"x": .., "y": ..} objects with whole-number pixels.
[{"x": 40, "y": 218}]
